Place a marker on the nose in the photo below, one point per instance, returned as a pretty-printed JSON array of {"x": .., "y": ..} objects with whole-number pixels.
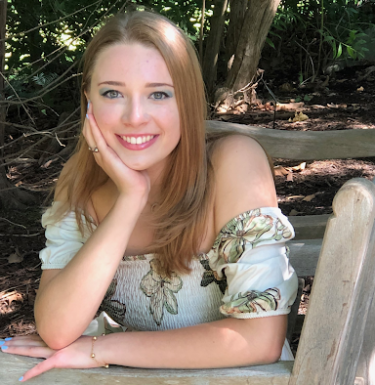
[{"x": 135, "y": 112}]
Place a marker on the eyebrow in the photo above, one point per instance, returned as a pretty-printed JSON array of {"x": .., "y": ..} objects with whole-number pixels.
[{"x": 148, "y": 85}]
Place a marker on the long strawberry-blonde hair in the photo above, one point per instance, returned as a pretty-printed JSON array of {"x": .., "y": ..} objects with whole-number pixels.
[{"x": 180, "y": 216}]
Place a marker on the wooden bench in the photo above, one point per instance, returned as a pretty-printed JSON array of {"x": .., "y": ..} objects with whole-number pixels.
[
  {"x": 332, "y": 335},
  {"x": 332, "y": 348}
]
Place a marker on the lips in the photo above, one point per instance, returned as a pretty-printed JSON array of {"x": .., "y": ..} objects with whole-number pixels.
[{"x": 137, "y": 142}]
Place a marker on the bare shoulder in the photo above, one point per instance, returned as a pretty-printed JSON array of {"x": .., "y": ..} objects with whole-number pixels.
[{"x": 243, "y": 178}]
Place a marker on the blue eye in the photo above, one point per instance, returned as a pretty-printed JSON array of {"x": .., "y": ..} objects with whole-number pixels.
[
  {"x": 112, "y": 94},
  {"x": 159, "y": 95}
]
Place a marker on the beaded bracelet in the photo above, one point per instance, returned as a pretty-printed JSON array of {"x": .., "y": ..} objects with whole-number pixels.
[{"x": 92, "y": 349}]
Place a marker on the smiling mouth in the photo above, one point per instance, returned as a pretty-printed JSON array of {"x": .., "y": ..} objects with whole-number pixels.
[{"x": 137, "y": 140}]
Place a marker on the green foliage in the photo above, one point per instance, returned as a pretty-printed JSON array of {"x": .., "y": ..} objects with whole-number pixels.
[
  {"x": 317, "y": 33},
  {"x": 44, "y": 80},
  {"x": 46, "y": 39}
]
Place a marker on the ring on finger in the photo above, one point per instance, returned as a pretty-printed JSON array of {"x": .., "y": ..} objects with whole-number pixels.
[{"x": 95, "y": 149}]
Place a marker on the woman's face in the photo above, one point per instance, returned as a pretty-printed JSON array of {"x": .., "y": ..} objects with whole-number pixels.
[{"x": 134, "y": 105}]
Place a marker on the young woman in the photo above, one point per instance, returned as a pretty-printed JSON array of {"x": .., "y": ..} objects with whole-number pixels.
[{"x": 174, "y": 235}]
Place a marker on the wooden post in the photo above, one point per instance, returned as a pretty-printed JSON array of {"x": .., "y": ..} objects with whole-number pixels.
[
  {"x": 333, "y": 332},
  {"x": 366, "y": 365}
]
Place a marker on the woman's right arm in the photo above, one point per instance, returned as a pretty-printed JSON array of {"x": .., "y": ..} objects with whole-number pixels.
[{"x": 68, "y": 299}]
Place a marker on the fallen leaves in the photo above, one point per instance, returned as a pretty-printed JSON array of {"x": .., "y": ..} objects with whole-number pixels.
[
  {"x": 309, "y": 198},
  {"x": 15, "y": 258},
  {"x": 11, "y": 296},
  {"x": 299, "y": 117},
  {"x": 288, "y": 171}
]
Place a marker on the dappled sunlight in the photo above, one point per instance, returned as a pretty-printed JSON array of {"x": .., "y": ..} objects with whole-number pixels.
[{"x": 9, "y": 301}]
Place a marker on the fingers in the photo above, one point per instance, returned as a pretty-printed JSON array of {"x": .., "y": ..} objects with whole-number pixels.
[
  {"x": 94, "y": 131},
  {"x": 87, "y": 132},
  {"x": 30, "y": 340},
  {"x": 28, "y": 350},
  {"x": 42, "y": 367}
]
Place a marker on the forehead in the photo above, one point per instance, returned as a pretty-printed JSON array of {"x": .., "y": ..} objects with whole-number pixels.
[{"x": 129, "y": 62}]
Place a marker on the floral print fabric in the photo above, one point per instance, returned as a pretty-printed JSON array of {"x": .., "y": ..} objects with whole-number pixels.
[
  {"x": 255, "y": 285},
  {"x": 162, "y": 291},
  {"x": 246, "y": 274}
]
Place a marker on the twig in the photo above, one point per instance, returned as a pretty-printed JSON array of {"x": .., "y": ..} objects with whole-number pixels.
[
  {"x": 22, "y": 235},
  {"x": 58, "y": 140},
  {"x": 64, "y": 49},
  {"x": 9, "y": 294},
  {"x": 15, "y": 224},
  {"x": 308, "y": 54},
  {"x": 46, "y": 90},
  {"x": 15, "y": 93},
  {"x": 51, "y": 22}
]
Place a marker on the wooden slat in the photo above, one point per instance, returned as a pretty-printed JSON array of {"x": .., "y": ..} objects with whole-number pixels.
[
  {"x": 306, "y": 145},
  {"x": 309, "y": 226},
  {"x": 13, "y": 367},
  {"x": 366, "y": 364},
  {"x": 359, "y": 336},
  {"x": 329, "y": 346},
  {"x": 304, "y": 256}
]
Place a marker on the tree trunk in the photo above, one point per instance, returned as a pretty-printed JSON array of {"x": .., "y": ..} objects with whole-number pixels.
[
  {"x": 257, "y": 21},
  {"x": 236, "y": 16},
  {"x": 9, "y": 197},
  {"x": 213, "y": 44}
]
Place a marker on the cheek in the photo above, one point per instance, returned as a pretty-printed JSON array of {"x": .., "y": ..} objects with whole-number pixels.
[{"x": 105, "y": 116}]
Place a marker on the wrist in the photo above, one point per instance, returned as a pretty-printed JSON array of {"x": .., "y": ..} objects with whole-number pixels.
[
  {"x": 136, "y": 200},
  {"x": 97, "y": 351}
]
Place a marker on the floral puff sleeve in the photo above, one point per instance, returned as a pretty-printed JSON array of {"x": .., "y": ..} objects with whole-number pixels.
[{"x": 250, "y": 253}]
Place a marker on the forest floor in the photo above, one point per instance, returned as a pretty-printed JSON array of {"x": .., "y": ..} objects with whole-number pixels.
[{"x": 346, "y": 102}]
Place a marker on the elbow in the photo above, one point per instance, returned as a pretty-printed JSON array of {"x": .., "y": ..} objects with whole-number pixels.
[
  {"x": 55, "y": 339},
  {"x": 272, "y": 355},
  {"x": 52, "y": 339}
]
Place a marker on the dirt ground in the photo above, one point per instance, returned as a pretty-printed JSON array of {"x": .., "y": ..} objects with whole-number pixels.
[{"x": 341, "y": 104}]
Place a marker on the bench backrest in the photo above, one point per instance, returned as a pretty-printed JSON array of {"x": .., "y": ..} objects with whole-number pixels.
[{"x": 333, "y": 332}]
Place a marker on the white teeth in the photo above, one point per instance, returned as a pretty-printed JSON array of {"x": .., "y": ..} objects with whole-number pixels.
[{"x": 138, "y": 140}]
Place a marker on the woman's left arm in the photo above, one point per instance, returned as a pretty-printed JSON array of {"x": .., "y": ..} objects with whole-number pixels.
[{"x": 225, "y": 343}]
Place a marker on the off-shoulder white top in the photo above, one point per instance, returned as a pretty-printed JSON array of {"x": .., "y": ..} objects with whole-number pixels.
[{"x": 246, "y": 274}]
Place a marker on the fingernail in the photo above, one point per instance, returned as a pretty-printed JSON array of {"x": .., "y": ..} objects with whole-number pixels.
[
  {"x": 2, "y": 343},
  {"x": 20, "y": 379},
  {"x": 4, "y": 347},
  {"x": 87, "y": 117},
  {"x": 8, "y": 339}
]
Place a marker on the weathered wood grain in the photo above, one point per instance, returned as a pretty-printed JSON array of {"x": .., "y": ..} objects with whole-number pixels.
[
  {"x": 13, "y": 367},
  {"x": 366, "y": 364},
  {"x": 306, "y": 145},
  {"x": 324, "y": 352}
]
